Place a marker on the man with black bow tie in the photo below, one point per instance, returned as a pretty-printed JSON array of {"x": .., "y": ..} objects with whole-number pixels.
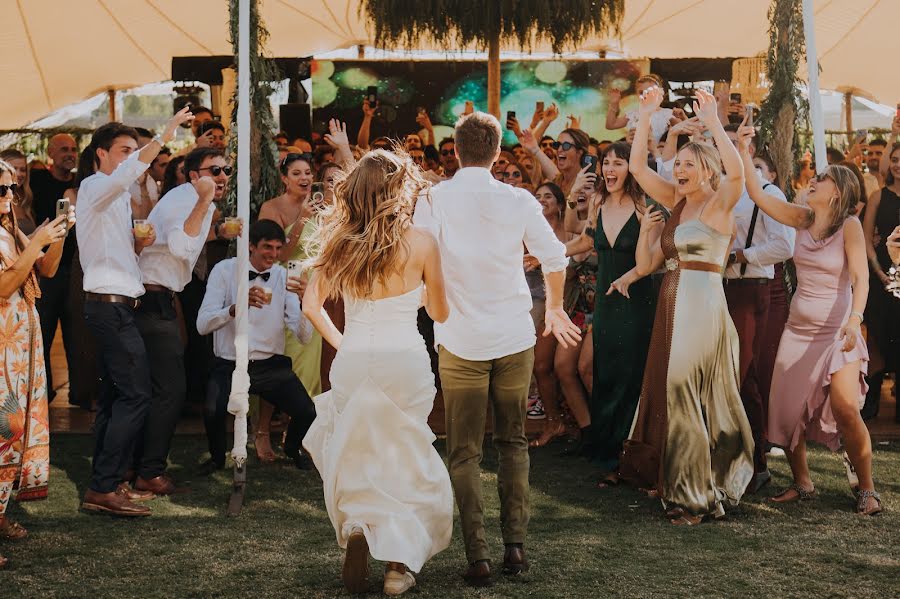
[{"x": 274, "y": 302}]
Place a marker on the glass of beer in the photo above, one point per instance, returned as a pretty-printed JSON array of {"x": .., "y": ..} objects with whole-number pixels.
[
  {"x": 232, "y": 225},
  {"x": 142, "y": 228}
]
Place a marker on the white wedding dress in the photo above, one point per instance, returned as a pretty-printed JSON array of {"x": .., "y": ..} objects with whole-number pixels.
[{"x": 371, "y": 442}]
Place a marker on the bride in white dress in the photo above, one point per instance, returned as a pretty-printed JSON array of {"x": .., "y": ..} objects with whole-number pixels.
[{"x": 387, "y": 490}]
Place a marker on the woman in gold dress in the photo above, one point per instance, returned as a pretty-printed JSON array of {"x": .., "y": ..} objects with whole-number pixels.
[{"x": 691, "y": 441}]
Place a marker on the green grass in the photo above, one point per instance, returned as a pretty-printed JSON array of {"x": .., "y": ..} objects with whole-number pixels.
[{"x": 583, "y": 542}]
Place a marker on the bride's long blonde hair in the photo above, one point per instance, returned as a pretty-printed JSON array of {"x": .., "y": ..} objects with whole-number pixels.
[{"x": 359, "y": 240}]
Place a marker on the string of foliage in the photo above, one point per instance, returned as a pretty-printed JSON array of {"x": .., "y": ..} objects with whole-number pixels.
[
  {"x": 785, "y": 106},
  {"x": 564, "y": 23},
  {"x": 265, "y": 180}
]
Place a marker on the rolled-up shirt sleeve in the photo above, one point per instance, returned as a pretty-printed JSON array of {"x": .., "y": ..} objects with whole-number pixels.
[
  {"x": 182, "y": 245},
  {"x": 540, "y": 239},
  {"x": 214, "y": 314},
  {"x": 102, "y": 191}
]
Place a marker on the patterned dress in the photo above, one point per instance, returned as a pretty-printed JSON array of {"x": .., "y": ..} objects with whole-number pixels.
[{"x": 24, "y": 423}]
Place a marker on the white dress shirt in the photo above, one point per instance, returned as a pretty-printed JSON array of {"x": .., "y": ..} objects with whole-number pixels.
[
  {"x": 480, "y": 225},
  {"x": 773, "y": 242},
  {"x": 266, "y": 330},
  {"x": 105, "y": 239},
  {"x": 171, "y": 258}
]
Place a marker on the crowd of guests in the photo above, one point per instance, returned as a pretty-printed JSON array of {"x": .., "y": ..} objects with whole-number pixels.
[{"x": 690, "y": 367}]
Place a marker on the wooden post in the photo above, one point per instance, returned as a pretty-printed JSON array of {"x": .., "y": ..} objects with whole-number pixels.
[
  {"x": 493, "y": 91},
  {"x": 848, "y": 110},
  {"x": 111, "y": 94}
]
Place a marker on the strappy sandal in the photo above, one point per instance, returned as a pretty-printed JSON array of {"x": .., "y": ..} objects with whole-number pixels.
[
  {"x": 547, "y": 438},
  {"x": 862, "y": 503},
  {"x": 685, "y": 519},
  {"x": 12, "y": 531},
  {"x": 801, "y": 494}
]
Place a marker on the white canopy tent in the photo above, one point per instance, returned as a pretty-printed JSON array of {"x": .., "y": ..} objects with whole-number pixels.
[{"x": 56, "y": 52}]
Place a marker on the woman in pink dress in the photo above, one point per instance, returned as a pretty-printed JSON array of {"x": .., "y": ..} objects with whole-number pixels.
[{"x": 818, "y": 386}]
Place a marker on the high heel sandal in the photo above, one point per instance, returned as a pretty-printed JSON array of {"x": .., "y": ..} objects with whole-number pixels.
[
  {"x": 862, "y": 503},
  {"x": 801, "y": 495},
  {"x": 559, "y": 430}
]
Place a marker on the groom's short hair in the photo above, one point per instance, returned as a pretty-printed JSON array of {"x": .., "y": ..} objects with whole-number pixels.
[{"x": 477, "y": 138}]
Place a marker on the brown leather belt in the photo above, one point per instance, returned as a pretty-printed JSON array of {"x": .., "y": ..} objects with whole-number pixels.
[
  {"x": 673, "y": 264},
  {"x": 750, "y": 281},
  {"x": 158, "y": 288},
  {"x": 112, "y": 298}
]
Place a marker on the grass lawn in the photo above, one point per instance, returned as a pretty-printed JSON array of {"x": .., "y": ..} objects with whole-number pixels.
[{"x": 583, "y": 542}]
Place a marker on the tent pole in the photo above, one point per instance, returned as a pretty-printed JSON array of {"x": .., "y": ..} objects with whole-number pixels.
[
  {"x": 848, "y": 112},
  {"x": 493, "y": 91},
  {"x": 238, "y": 402},
  {"x": 815, "y": 100},
  {"x": 111, "y": 95}
]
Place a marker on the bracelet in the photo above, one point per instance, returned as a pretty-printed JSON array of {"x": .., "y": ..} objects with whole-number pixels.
[{"x": 858, "y": 315}]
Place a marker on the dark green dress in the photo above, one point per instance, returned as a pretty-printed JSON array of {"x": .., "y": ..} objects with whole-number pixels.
[{"x": 621, "y": 335}]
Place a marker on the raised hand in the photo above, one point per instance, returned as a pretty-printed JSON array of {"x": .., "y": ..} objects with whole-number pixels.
[
  {"x": 538, "y": 115},
  {"x": 651, "y": 219},
  {"x": 585, "y": 180},
  {"x": 470, "y": 107},
  {"x": 182, "y": 116},
  {"x": 614, "y": 96},
  {"x": 551, "y": 113},
  {"x": 745, "y": 136},
  {"x": 512, "y": 123},
  {"x": 337, "y": 134},
  {"x": 706, "y": 107},
  {"x": 526, "y": 138},
  {"x": 424, "y": 120},
  {"x": 650, "y": 100},
  {"x": 50, "y": 231},
  {"x": 368, "y": 109},
  {"x": 690, "y": 126},
  {"x": 573, "y": 122},
  {"x": 205, "y": 187}
]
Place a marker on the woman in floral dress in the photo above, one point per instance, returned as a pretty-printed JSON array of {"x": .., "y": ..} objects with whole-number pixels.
[{"x": 24, "y": 425}]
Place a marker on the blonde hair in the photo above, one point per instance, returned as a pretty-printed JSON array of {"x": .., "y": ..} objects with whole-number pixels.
[
  {"x": 359, "y": 240},
  {"x": 847, "y": 184},
  {"x": 708, "y": 161}
]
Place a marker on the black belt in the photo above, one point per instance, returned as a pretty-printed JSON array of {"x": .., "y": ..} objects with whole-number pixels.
[
  {"x": 748, "y": 281},
  {"x": 112, "y": 298}
]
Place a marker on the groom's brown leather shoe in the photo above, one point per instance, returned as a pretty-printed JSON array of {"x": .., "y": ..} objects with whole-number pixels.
[
  {"x": 514, "y": 560},
  {"x": 112, "y": 503},
  {"x": 478, "y": 574}
]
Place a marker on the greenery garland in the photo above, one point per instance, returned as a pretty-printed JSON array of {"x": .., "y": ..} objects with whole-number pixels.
[
  {"x": 265, "y": 179},
  {"x": 459, "y": 23},
  {"x": 784, "y": 106}
]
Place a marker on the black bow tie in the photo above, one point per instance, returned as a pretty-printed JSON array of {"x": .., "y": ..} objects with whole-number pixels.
[{"x": 262, "y": 275}]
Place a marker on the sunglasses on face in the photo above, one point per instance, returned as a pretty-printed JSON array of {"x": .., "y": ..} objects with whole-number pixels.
[
  {"x": 446, "y": 152},
  {"x": 566, "y": 145},
  {"x": 215, "y": 171},
  {"x": 512, "y": 175},
  {"x": 5, "y": 189},
  {"x": 547, "y": 143}
]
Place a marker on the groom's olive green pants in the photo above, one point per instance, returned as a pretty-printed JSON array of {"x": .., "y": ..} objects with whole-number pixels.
[{"x": 468, "y": 387}]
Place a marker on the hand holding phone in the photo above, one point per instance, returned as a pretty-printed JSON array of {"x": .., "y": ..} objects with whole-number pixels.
[{"x": 62, "y": 209}]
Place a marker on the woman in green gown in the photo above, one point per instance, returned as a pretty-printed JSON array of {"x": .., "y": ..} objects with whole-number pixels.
[{"x": 623, "y": 309}]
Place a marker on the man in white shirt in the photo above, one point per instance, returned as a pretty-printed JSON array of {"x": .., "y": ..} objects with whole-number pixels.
[
  {"x": 182, "y": 221},
  {"x": 271, "y": 375},
  {"x": 486, "y": 346},
  {"x": 759, "y": 244},
  {"x": 112, "y": 285}
]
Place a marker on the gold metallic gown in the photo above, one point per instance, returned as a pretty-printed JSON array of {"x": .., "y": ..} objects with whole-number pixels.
[{"x": 691, "y": 439}]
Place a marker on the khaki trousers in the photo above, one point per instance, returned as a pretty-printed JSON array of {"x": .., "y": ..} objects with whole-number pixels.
[{"x": 467, "y": 388}]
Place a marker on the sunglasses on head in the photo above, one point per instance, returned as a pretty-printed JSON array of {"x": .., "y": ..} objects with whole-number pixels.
[
  {"x": 4, "y": 189},
  {"x": 292, "y": 156},
  {"x": 514, "y": 174},
  {"x": 566, "y": 145},
  {"x": 821, "y": 177},
  {"x": 215, "y": 171}
]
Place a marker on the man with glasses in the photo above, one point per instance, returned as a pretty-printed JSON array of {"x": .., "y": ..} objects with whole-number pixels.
[
  {"x": 183, "y": 222},
  {"x": 449, "y": 162},
  {"x": 548, "y": 148}
]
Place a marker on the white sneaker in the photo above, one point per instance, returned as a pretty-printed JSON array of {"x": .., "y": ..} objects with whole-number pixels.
[{"x": 397, "y": 583}]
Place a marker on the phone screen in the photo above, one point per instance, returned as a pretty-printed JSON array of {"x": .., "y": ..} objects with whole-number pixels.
[
  {"x": 736, "y": 98},
  {"x": 586, "y": 160}
]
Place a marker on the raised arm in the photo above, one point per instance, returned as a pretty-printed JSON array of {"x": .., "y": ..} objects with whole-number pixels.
[
  {"x": 731, "y": 185},
  {"x": 337, "y": 139},
  {"x": 550, "y": 115},
  {"x": 648, "y": 255},
  {"x": 653, "y": 185},
  {"x": 792, "y": 215},
  {"x": 584, "y": 242},
  {"x": 314, "y": 310},
  {"x": 613, "y": 120},
  {"x": 529, "y": 141},
  {"x": 362, "y": 138}
]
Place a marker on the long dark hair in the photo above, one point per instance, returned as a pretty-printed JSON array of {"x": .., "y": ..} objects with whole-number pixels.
[
  {"x": 632, "y": 188},
  {"x": 889, "y": 179},
  {"x": 170, "y": 175}
]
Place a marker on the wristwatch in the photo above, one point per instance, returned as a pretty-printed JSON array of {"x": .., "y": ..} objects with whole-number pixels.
[{"x": 732, "y": 257}]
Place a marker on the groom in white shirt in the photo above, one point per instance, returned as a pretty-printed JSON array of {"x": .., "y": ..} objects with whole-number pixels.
[{"x": 486, "y": 346}]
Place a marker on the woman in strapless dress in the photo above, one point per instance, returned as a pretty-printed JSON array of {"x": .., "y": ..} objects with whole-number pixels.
[{"x": 819, "y": 386}]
